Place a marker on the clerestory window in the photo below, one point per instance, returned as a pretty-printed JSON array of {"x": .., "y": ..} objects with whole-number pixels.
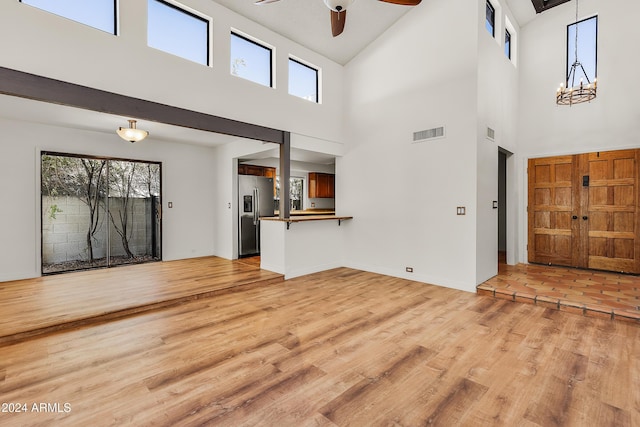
[{"x": 100, "y": 14}]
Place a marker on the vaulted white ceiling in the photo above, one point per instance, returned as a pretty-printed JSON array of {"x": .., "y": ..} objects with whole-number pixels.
[{"x": 307, "y": 22}]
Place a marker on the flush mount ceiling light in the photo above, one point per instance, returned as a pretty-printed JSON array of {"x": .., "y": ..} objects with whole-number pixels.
[
  {"x": 339, "y": 11},
  {"x": 132, "y": 134},
  {"x": 570, "y": 92}
]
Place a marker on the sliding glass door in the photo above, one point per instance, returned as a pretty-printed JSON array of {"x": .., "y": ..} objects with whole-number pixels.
[{"x": 99, "y": 212}]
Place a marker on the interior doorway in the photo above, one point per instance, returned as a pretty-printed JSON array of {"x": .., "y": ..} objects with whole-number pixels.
[
  {"x": 504, "y": 156},
  {"x": 502, "y": 206}
]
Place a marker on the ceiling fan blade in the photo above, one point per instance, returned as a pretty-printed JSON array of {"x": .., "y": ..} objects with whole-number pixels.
[
  {"x": 404, "y": 2},
  {"x": 265, "y": 1},
  {"x": 337, "y": 22}
]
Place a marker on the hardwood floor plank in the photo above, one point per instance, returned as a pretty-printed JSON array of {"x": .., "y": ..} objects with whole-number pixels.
[
  {"x": 451, "y": 409},
  {"x": 370, "y": 399}
]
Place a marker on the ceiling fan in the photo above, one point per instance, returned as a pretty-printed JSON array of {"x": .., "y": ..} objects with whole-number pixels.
[{"x": 339, "y": 11}]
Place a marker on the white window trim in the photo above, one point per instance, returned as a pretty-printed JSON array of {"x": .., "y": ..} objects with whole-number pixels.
[
  {"x": 497, "y": 10},
  {"x": 116, "y": 24},
  {"x": 314, "y": 67},
  {"x": 261, "y": 43},
  {"x": 514, "y": 40},
  {"x": 202, "y": 16}
]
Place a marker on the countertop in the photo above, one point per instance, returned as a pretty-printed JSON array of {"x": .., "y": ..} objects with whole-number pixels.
[
  {"x": 311, "y": 212},
  {"x": 303, "y": 218}
]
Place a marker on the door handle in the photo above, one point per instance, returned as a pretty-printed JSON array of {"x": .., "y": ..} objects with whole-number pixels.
[
  {"x": 574, "y": 217},
  {"x": 255, "y": 206},
  {"x": 585, "y": 217}
]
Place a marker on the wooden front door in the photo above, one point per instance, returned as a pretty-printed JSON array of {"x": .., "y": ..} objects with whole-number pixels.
[{"x": 583, "y": 210}]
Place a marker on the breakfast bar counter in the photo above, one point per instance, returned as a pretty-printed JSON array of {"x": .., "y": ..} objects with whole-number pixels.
[{"x": 301, "y": 245}]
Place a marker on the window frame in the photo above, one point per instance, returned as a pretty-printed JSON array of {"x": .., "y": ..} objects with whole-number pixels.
[
  {"x": 595, "y": 65},
  {"x": 311, "y": 67},
  {"x": 490, "y": 6},
  {"x": 193, "y": 14},
  {"x": 507, "y": 43},
  {"x": 77, "y": 155},
  {"x": 259, "y": 43},
  {"x": 116, "y": 21}
]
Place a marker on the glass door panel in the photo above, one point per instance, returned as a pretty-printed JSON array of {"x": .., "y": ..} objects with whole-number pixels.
[
  {"x": 134, "y": 212},
  {"x": 74, "y": 218}
]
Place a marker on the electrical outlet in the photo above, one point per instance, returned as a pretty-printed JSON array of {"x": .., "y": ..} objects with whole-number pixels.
[{"x": 409, "y": 269}]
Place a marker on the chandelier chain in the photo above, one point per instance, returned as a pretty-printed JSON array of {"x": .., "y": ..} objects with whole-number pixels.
[{"x": 577, "y": 26}]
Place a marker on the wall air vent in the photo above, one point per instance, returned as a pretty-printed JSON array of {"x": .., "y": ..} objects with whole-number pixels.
[
  {"x": 491, "y": 134},
  {"x": 424, "y": 135}
]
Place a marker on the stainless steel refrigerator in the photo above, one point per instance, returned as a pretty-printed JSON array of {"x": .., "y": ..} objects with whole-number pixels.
[{"x": 255, "y": 199}]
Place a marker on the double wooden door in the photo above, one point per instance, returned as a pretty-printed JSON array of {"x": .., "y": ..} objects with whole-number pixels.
[{"x": 584, "y": 211}]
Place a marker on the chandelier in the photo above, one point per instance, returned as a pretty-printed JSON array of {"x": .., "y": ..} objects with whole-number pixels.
[{"x": 570, "y": 92}]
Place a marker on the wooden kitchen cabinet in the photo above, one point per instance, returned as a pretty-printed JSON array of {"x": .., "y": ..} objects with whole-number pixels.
[
  {"x": 269, "y": 172},
  {"x": 245, "y": 169},
  {"x": 322, "y": 185},
  {"x": 250, "y": 170}
]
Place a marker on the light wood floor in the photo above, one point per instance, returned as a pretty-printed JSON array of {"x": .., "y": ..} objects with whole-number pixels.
[
  {"x": 339, "y": 348},
  {"x": 37, "y": 306}
]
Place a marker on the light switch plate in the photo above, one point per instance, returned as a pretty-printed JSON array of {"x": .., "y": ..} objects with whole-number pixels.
[
  {"x": 170, "y": 205},
  {"x": 461, "y": 210}
]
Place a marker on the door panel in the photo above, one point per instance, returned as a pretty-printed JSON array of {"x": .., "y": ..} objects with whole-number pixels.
[
  {"x": 611, "y": 208},
  {"x": 583, "y": 210},
  {"x": 551, "y": 234}
]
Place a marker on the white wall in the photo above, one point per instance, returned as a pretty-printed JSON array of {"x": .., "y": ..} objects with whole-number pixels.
[
  {"x": 497, "y": 109},
  {"x": 42, "y": 43},
  {"x": 187, "y": 181},
  {"x": 611, "y": 121},
  {"x": 403, "y": 196}
]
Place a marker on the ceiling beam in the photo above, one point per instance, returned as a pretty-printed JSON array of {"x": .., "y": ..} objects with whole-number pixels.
[
  {"x": 31, "y": 86},
  {"x": 542, "y": 5}
]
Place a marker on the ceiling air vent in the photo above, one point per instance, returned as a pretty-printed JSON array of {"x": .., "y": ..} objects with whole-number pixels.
[
  {"x": 424, "y": 135},
  {"x": 491, "y": 134}
]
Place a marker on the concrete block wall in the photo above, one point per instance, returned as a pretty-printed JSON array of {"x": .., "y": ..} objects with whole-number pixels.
[{"x": 65, "y": 222}]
